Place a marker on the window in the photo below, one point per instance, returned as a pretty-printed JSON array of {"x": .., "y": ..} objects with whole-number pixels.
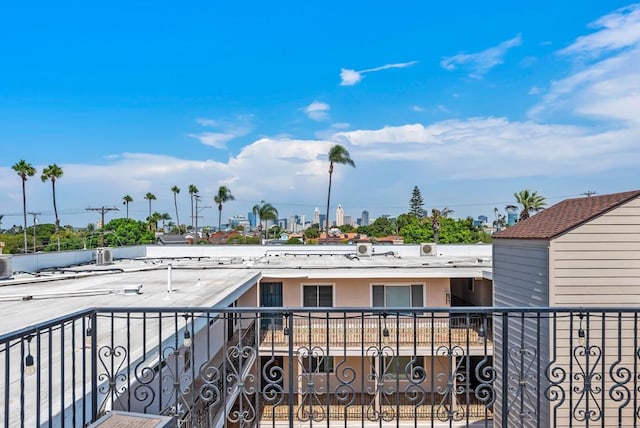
[
  {"x": 398, "y": 296},
  {"x": 317, "y": 364},
  {"x": 401, "y": 368},
  {"x": 317, "y": 296}
]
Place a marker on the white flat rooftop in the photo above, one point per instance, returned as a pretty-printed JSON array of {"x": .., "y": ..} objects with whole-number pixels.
[{"x": 28, "y": 300}]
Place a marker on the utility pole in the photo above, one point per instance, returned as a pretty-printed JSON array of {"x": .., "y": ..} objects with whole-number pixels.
[
  {"x": 35, "y": 220},
  {"x": 589, "y": 193},
  {"x": 197, "y": 214},
  {"x": 102, "y": 210}
]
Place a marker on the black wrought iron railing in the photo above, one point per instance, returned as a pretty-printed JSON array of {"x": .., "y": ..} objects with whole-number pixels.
[{"x": 273, "y": 366}]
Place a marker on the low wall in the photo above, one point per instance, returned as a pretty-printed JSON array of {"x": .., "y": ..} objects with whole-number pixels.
[{"x": 58, "y": 259}]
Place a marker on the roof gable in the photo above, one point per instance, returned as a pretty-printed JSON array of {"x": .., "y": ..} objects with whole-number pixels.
[{"x": 564, "y": 216}]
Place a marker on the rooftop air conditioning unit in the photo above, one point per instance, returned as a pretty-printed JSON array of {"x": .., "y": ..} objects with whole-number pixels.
[
  {"x": 103, "y": 256},
  {"x": 364, "y": 250},
  {"x": 6, "y": 270},
  {"x": 428, "y": 249}
]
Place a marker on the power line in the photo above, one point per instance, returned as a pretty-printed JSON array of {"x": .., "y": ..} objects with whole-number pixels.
[{"x": 102, "y": 211}]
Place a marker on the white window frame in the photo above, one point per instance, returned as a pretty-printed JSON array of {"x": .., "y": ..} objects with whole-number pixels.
[{"x": 399, "y": 284}]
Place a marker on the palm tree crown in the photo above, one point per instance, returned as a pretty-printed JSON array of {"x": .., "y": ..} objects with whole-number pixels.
[
  {"x": 530, "y": 202},
  {"x": 337, "y": 155},
  {"x": 150, "y": 197},
  {"x": 24, "y": 170},
  {"x": 176, "y": 190},
  {"x": 52, "y": 173},
  {"x": 125, "y": 201},
  {"x": 223, "y": 196},
  {"x": 265, "y": 211}
]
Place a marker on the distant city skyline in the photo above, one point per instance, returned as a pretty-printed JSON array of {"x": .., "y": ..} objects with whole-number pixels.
[{"x": 469, "y": 101}]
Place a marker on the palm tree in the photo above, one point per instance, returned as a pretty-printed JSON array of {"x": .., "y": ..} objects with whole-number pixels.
[
  {"x": 153, "y": 220},
  {"x": 435, "y": 223},
  {"x": 176, "y": 190},
  {"x": 150, "y": 197},
  {"x": 224, "y": 195},
  {"x": 53, "y": 172},
  {"x": 165, "y": 217},
  {"x": 125, "y": 201},
  {"x": 530, "y": 202},
  {"x": 436, "y": 215},
  {"x": 24, "y": 170},
  {"x": 193, "y": 190},
  {"x": 265, "y": 211},
  {"x": 337, "y": 155}
]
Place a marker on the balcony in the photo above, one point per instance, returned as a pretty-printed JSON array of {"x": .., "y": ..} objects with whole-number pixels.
[{"x": 299, "y": 367}]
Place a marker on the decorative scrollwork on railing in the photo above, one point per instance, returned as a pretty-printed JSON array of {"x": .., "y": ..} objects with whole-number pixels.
[
  {"x": 588, "y": 405},
  {"x": 241, "y": 381},
  {"x": 621, "y": 376},
  {"x": 521, "y": 383},
  {"x": 486, "y": 376},
  {"x": 555, "y": 392},
  {"x": 345, "y": 392},
  {"x": 273, "y": 379},
  {"x": 209, "y": 391},
  {"x": 454, "y": 378},
  {"x": 113, "y": 361},
  {"x": 381, "y": 406},
  {"x": 143, "y": 390},
  {"x": 314, "y": 363},
  {"x": 176, "y": 384}
]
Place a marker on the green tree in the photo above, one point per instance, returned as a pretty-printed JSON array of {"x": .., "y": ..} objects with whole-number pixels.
[
  {"x": 337, "y": 155},
  {"x": 24, "y": 170},
  {"x": 415, "y": 203},
  {"x": 383, "y": 226},
  {"x": 223, "y": 196},
  {"x": 530, "y": 202},
  {"x": 265, "y": 212},
  {"x": 176, "y": 190},
  {"x": 52, "y": 173},
  {"x": 126, "y": 231},
  {"x": 126, "y": 199},
  {"x": 193, "y": 192},
  {"x": 150, "y": 197},
  {"x": 312, "y": 232}
]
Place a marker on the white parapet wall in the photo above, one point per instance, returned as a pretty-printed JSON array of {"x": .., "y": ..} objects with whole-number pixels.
[
  {"x": 255, "y": 251},
  {"x": 57, "y": 259}
]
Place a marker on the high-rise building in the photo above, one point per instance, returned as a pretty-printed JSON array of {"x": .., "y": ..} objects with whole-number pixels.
[
  {"x": 252, "y": 219},
  {"x": 348, "y": 220},
  {"x": 339, "y": 216},
  {"x": 365, "y": 218},
  {"x": 316, "y": 216}
]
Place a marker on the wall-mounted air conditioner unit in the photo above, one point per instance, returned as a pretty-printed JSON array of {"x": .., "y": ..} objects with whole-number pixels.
[
  {"x": 6, "y": 270},
  {"x": 103, "y": 256},
  {"x": 428, "y": 249},
  {"x": 364, "y": 250}
]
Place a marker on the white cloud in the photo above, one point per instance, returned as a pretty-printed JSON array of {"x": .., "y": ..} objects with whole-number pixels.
[
  {"x": 229, "y": 129},
  {"x": 350, "y": 77},
  {"x": 214, "y": 139},
  {"x": 617, "y": 30},
  {"x": 317, "y": 110},
  {"x": 417, "y": 108},
  {"x": 608, "y": 87},
  {"x": 480, "y": 63},
  {"x": 534, "y": 90}
]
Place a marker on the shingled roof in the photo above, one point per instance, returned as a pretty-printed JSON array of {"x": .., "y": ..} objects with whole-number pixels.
[{"x": 564, "y": 216}]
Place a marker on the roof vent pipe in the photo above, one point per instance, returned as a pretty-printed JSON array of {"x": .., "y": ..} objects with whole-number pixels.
[{"x": 169, "y": 290}]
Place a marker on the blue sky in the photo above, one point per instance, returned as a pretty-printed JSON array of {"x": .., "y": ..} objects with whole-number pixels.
[{"x": 470, "y": 101}]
